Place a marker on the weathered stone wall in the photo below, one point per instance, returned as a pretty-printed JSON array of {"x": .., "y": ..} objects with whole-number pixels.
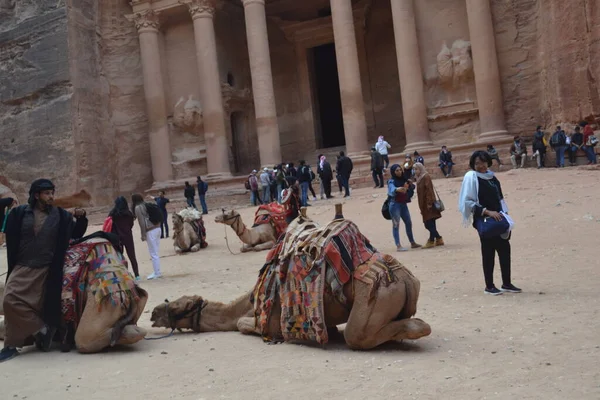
[{"x": 35, "y": 95}]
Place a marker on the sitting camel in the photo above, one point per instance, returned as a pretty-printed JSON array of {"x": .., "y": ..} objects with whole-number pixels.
[
  {"x": 379, "y": 300},
  {"x": 189, "y": 234},
  {"x": 270, "y": 221},
  {"x": 106, "y": 313}
]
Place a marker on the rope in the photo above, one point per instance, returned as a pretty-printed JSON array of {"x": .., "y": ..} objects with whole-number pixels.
[
  {"x": 226, "y": 240},
  {"x": 161, "y": 337}
]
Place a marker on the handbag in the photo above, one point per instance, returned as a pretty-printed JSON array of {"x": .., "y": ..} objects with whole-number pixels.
[
  {"x": 488, "y": 227},
  {"x": 438, "y": 204},
  {"x": 385, "y": 209},
  {"x": 108, "y": 224}
]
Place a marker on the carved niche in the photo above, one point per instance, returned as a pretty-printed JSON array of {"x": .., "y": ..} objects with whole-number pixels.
[
  {"x": 235, "y": 99},
  {"x": 455, "y": 64}
]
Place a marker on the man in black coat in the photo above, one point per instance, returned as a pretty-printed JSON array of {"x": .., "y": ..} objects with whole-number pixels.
[
  {"x": 377, "y": 167},
  {"x": 344, "y": 169},
  {"x": 37, "y": 238},
  {"x": 326, "y": 174}
]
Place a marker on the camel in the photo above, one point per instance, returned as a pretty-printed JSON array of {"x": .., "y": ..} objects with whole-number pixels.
[
  {"x": 106, "y": 323},
  {"x": 271, "y": 220},
  {"x": 373, "y": 313},
  {"x": 189, "y": 234},
  {"x": 79, "y": 199}
]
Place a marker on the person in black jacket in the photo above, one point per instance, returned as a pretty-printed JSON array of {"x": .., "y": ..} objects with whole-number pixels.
[
  {"x": 446, "y": 162},
  {"x": 481, "y": 197},
  {"x": 202, "y": 189},
  {"x": 344, "y": 169},
  {"x": 37, "y": 238},
  {"x": 377, "y": 167},
  {"x": 326, "y": 174},
  {"x": 189, "y": 192},
  {"x": 304, "y": 179},
  {"x": 575, "y": 146}
]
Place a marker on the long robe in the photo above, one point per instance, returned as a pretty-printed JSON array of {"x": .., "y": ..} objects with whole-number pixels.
[{"x": 68, "y": 229}]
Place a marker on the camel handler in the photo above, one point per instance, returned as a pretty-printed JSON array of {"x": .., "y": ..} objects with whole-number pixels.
[{"x": 37, "y": 237}]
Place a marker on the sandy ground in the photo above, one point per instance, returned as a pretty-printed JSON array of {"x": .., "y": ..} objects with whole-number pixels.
[{"x": 543, "y": 343}]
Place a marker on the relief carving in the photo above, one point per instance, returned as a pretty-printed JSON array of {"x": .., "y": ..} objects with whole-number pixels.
[
  {"x": 200, "y": 8},
  {"x": 187, "y": 115},
  {"x": 235, "y": 99},
  {"x": 455, "y": 65},
  {"x": 148, "y": 19}
]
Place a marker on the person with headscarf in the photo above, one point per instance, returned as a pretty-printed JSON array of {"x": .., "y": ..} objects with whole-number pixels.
[
  {"x": 427, "y": 197},
  {"x": 122, "y": 226},
  {"x": 382, "y": 148},
  {"x": 37, "y": 238},
  {"x": 400, "y": 190},
  {"x": 481, "y": 197},
  {"x": 326, "y": 174}
]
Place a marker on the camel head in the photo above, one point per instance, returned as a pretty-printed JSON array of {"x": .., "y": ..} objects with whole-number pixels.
[
  {"x": 227, "y": 217},
  {"x": 177, "y": 221},
  {"x": 167, "y": 314}
]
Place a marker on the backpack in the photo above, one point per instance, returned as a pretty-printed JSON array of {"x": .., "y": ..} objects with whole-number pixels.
[
  {"x": 593, "y": 140},
  {"x": 558, "y": 139},
  {"x": 247, "y": 184},
  {"x": 154, "y": 214},
  {"x": 108, "y": 224},
  {"x": 312, "y": 174}
]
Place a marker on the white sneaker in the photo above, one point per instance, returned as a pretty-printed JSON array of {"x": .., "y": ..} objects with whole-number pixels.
[
  {"x": 401, "y": 249},
  {"x": 154, "y": 276},
  {"x": 315, "y": 198}
]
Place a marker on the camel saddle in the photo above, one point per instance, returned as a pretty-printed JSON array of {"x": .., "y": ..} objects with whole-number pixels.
[{"x": 274, "y": 214}]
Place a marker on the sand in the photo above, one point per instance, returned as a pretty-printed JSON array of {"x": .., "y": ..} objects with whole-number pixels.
[{"x": 542, "y": 343}]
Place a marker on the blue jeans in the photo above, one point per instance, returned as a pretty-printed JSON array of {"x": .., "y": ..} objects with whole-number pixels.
[
  {"x": 203, "y": 203},
  {"x": 590, "y": 153},
  {"x": 345, "y": 181},
  {"x": 255, "y": 197},
  {"x": 164, "y": 226},
  {"x": 400, "y": 211},
  {"x": 560, "y": 156},
  {"x": 304, "y": 193},
  {"x": 190, "y": 202},
  {"x": 266, "y": 194}
]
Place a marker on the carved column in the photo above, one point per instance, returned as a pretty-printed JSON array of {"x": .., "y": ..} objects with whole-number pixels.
[
  {"x": 414, "y": 108},
  {"x": 262, "y": 82},
  {"x": 147, "y": 24},
  {"x": 215, "y": 134},
  {"x": 355, "y": 125},
  {"x": 487, "y": 74}
]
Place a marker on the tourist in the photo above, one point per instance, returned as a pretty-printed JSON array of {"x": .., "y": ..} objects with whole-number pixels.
[
  {"x": 518, "y": 152},
  {"x": 446, "y": 162},
  {"x": 558, "y": 143},
  {"x": 322, "y": 186},
  {"x": 292, "y": 170},
  {"x": 539, "y": 147},
  {"x": 590, "y": 143},
  {"x": 189, "y": 192},
  {"x": 326, "y": 174},
  {"x": 6, "y": 204},
  {"x": 408, "y": 167},
  {"x": 399, "y": 191},
  {"x": 122, "y": 225},
  {"x": 344, "y": 169},
  {"x": 265, "y": 184},
  {"x": 480, "y": 197},
  {"x": 494, "y": 154},
  {"x": 427, "y": 198},
  {"x": 382, "y": 148},
  {"x": 273, "y": 184},
  {"x": 150, "y": 233},
  {"x": 162, "y": 202},
  {"x": 253, "y": 187},
  {"x": 377, "y": 167},
  {"x": 202, "y": 189},
  {"x": 312, "y": 178},
  {"x": 37, "y": 238},
  {"x": 338, "y": 177},
  {"x": 576, "y": 145},
  {"x": 304, "y": 180},
  {"x": 418, "y": 158},
  {"x": 281, "y": 182}
]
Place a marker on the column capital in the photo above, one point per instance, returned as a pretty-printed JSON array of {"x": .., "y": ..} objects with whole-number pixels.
[
  {"x": 248, "y": 2},
  {"x": 145, "y": 21},
  {"x": 201, "y": 8}
]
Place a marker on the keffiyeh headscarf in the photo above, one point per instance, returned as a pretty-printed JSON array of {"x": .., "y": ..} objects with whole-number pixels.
[{"x": 37, "y": 186}]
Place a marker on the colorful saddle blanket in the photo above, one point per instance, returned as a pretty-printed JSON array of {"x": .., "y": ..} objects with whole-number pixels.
[
  {"x": 200, "y": 230},
  {"x": 274, "y": 214},
  {"x": 306, "y": 261},
  {"x": 104, "y": 269}
]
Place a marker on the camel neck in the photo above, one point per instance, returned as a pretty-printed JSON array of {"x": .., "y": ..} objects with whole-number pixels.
[
  {"x": 220, "y": 317},
  {"x": 240, "y": 229}
]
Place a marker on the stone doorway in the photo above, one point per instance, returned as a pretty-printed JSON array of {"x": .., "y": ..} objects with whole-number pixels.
[
  {"x": 325, "y": 88},
  {"x": 244, "y": 144}
]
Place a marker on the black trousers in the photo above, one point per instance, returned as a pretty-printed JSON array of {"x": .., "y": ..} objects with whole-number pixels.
[
  {"x": 489, "y": 248},
  {"x": 312, "y": 191},
  {"x": 386, "y": 159},
  {"x": 326, "y": 187},
  {"x": 378, "y": 177},
  {"x": 430, "y": 225}
]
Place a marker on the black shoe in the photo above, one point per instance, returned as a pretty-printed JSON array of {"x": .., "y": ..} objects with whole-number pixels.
[
  {"x": 380, "y": 186},
  {"x": 493, "y": 291},
  {"x": 511, "y": 289},
  {"x": 162, "y": 237},
  {"x": 8, "y": 353},
  {"x": 44, "y": 341}
]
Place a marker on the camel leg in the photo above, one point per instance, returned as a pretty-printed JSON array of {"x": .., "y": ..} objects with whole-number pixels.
[
  {"x": 246, "y": 248},
  {"x": 264, "y": 246},
  {"x": 373, "y": 323},
  {"x": 131, "y": 333},
  {"x": 178, "y": 250},
  {"x": 95, "y": 328},
  {"x": 195, "y": 248},
  {"x": 246, "y": 325}
]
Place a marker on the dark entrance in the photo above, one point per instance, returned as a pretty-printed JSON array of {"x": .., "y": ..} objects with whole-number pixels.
[{"x": 325, "y": 86}]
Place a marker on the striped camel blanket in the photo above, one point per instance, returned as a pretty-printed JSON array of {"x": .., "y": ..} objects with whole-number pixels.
[
  {"x": 306, "y": 261},
  {"x": 274, "y": 214}
]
